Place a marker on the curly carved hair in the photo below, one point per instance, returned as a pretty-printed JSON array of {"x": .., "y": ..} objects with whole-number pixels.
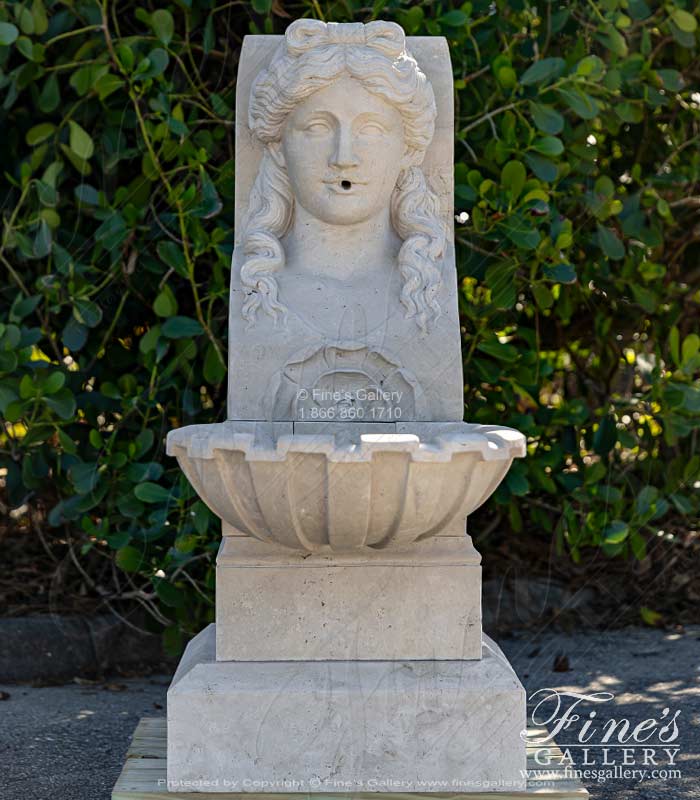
[{"x": 313, "y": 55}]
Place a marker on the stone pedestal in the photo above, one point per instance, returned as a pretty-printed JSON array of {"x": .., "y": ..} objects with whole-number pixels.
[
  {"x": 405, "y": 603},
  {"x": 345, "y": 726}
]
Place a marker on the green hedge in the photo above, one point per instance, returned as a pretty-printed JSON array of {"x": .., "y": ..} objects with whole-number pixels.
[{"x": 578, "y": 189}]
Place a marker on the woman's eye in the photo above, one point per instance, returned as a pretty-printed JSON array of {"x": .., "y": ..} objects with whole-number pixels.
[
  {"x": 316, "y": 127},
  {"x": 372, "y": 128}
]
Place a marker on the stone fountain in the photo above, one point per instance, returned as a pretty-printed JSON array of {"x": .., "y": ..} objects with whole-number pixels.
[{"x": 348, "y": 653}]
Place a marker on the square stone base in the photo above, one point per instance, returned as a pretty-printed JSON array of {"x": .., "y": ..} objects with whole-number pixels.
[
  {"x": 419, "y": 602},
  {"x": 144, "y": 775},
  {"x": 345, "y": 726}
]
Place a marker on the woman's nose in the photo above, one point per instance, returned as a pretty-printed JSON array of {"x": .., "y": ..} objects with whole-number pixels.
[{"x": 343, "y": 154}]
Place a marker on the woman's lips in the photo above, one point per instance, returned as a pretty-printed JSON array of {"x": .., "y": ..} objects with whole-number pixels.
[{"x": 343, "y": 185}]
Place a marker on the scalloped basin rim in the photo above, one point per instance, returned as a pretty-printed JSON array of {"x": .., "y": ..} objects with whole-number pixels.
[
  {"x": 350, "y": 490},
  {"x": 493, "y": 442}
]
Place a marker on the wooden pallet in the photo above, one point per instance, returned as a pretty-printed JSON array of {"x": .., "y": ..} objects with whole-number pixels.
[{"x": 144, "y": 777}]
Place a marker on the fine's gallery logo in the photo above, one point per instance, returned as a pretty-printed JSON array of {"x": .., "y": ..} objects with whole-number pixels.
[{"x": 593, "y": 745}]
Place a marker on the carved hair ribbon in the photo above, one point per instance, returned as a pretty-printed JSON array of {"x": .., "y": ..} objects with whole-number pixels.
[{"x": 306, "y": 34}]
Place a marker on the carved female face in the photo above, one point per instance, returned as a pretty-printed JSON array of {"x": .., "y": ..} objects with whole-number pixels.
[{"x": 344, "y": 148}]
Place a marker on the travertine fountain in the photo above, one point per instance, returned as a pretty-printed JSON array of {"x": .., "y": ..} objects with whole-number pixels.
[{"x": 347, "y": 653}]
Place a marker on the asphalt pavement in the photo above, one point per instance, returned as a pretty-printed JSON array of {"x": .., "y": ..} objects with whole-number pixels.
[{"x": 68, "y": 742}]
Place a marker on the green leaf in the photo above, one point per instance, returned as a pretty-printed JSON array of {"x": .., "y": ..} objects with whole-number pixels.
[
  {"x": 638, "y": 545},
  {"x": 143, "y": 443},
  {"x": 84, "y": 476},
  {"x": 220, "y": 106},
  {"x": 42, "y": 240},
  {"x": 543, "y": 296},
  {"x": 546, "y": 118},
  {"x": 579, "y": 102},
  {"x": 616, "y": 532},
  {"x": 671, "y": 79},
  {"x": 26, "y": 48},
  {"x": 262, "y": 6},
  {"x": 50, "y": 95},
  {"x": 47, "y": 194},
  {"x": 595, "y": 473},
  {"x": 152, "y": 66},
  {"x": 129, "y": 559},
  {"x": 181, "y": 327},
  {"x": 412, "y": 19},
  {"x": 25, "y": 19},
  {"x": 171, "y": 254},
  {"x": 211, "y": 203},
  {"x": 67, "y": 444},
  {"x": 80, "y": 141},
  {"x": 168, "y": 593},
  {"x": 646, "y": 298},
  {"x": 561, "y": 273},
  {"x": 517, "y": 483},
  {"x": 112, "y": 232},
  {"x": 87, "y": 195},
  {"x": 214, "y": 371},
  {"x": 23, "y": 306},
  {"x": 649, "y": 617},
  {"x": 63, "y": 403},
  {"x": 152, "y": 493},
  {"x": 500, "y": 277},
  {"x": 465, "y": 193},
  {"x": 638, "y": 9},
  {"x": 53, "y": 383},
  {"x": 609, "y": 243},
  {"x": 611, "y": 38},
  {"x": 74, "y": 335},
  {"x": 507, "y": 77},
  {"x": 107, "y": 85},
  {"x": 591, "y": 67},
  {"x": 125, "y": 55},
  {"x": 149, "y": 340},
  {"x": 202, "y": 517},
  {"x": 502, "y": 352},
  {"x": 80, "y": 164},
  {"x": 543, "y": 71},
  {"x": 129, "y": 506},
  {"x": 545, "y": 169},
  {"x": 26, "y": 387},
  {"x": 41, "y": 22},
  {"x": 163, "y": 25},
  {"x": 178, "y": 128},
  {"x": 454, "y": 18},
  {"x": 629, "y": 112},
  {"x": 513, "y": 176},
  {"x": 651, "y": 271},
  {"x": 144, "y": 471},
  {"x": 520, "y": 233},
  {"x": 605, "y": 436},
  {"x": 87, "y": 312},
  {"x": 165, "y": 304},
  {"x": 83, "y": 80},
  {"x": 209, "y": 38},
  {"x": 690, "y": 348},
  {"x": 39, "y": 133},
  {"x": 549, "y": 146},
  {"x": 645, "y": 500},
  {"x": 8, "y": 33},
  {"x": 684, "y": 20}
]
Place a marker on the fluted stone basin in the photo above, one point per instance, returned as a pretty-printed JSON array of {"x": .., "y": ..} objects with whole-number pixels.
[{"x": 309, "y": 492}]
